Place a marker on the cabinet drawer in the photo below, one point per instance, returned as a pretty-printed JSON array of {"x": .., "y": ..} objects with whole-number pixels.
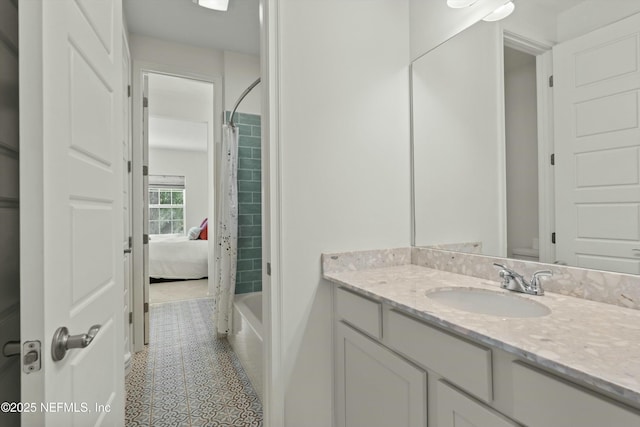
[
  {"x": 465, "y": 364},
  {"x": 456, "y": 409},
  {"x": 541, "y": 400},
  {"x": 360, "y": 312}
]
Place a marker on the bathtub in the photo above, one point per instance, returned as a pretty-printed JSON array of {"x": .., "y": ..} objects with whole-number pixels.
[{"x": 246, "y": 336}]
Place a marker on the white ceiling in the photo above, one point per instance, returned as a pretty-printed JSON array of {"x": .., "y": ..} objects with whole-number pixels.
[
  {"x": 180, "y": 113},
  {"x": 184, "y": 22}
]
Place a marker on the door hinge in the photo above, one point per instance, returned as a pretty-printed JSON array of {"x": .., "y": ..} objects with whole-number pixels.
[
  {"x": 551, "y": 81},
  {"x": 145, "y": 239},
  {"x": 553, "y": 159},
  {"x": 268, "y": 269},
  {"x": 145, "y": 102},
  {"x": 129, "y": 167},
  {"x": 553, "y": 237},
  {"x": 32, "y": 355},
  {"x": 146, "y": 307},
  {"x": 130, "y": 242},
  {"x": 145, "y": 170},
  {"x": 128, "y": 91},
  {"x": 130, "y": 317}
]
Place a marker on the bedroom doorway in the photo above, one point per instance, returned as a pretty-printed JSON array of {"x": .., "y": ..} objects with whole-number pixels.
[{"x": 179, "y": 188}]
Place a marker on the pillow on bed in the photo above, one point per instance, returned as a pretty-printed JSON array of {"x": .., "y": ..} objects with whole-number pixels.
[
  {"x": 204, "y": 229},
  {"x": 193, "y": 233}
]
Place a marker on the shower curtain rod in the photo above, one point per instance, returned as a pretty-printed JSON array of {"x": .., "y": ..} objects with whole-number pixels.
[{"x": 245, "y": 93}]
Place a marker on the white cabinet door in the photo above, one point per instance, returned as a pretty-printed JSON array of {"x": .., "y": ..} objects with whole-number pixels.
[
  {"x": 457, "y": 410},
  {"x": 71, "y": 209},
  {"x": 374, "y": 386},
  {"x": 597, "y": 145}
]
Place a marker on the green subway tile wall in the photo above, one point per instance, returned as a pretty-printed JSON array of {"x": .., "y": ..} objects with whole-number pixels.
[{"x": 249, "y": 266}]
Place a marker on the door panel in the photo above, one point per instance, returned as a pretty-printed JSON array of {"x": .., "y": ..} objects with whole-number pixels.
[
  {"x": 597, "y": 138},
  {"x": 71, "y": 179}
]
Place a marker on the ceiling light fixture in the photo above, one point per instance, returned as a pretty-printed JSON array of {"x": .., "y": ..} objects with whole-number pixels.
[
  {"x": 459, "y": 4},
  {"x": 500, "y": 12},
  {"x": 213, "y": 4}
]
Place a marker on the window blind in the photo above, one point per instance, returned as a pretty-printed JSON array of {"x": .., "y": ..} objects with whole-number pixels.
[{"x": 166, "y": 181}]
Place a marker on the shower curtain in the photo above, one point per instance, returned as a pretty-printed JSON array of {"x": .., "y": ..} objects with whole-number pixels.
[{"x": 226, "y": 231}]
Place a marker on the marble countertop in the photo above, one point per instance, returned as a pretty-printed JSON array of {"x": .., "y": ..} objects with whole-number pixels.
[{"x": 593, "y": 343}]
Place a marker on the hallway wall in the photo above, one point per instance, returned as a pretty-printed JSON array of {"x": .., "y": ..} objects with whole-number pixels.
[{"x": 9, "y": 208}]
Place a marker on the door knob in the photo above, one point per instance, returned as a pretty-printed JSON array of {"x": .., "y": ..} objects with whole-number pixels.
[{"x": 62, "y": 341}]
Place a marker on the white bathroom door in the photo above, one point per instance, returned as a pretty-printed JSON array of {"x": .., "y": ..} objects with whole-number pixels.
[
  {"x": 71, "y": 211},
  {"x": 597, "y": 147}
]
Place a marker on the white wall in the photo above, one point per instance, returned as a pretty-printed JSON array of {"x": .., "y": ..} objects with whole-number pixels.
[
  {"x": 344, "y": 168},
  {"x": 593, "y": 14},
  {"x": 522, "y": 149},
  {"x": 180, "y": 98},
  {"x": 240, "y": 70},
  {"x": 193, "y": 166},
  {"x": 433, "y": 22},
  {"x": 458, "y": 122},
  {"x": 533, "y": 21},
  {"x": 195, "y": 60}
]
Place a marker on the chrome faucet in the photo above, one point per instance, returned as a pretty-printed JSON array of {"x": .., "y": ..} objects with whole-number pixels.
[{"x": 516, "y": 282}]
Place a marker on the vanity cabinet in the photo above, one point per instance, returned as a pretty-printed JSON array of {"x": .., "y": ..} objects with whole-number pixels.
[
  {"x": 564, "y": 404},
  {"x": 393, "y": 369},
  {"x": 374, "y": 386}
]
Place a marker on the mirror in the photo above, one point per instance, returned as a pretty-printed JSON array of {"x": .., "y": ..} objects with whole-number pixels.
[{"x": 485, "y": 125}]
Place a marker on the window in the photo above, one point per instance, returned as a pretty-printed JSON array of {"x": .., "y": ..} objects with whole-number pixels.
[{"x": 166, "y": 204}]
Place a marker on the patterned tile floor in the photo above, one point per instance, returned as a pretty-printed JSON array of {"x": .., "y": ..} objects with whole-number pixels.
[{"x": 186, "y": 377}]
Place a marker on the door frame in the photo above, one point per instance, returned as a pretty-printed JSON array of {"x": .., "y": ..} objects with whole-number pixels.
[
  {"x": 140, "y": 284},
  {"x": 272, "y": 303},
  {"x": 127, "y": 102},
  {"x": 274, "y": 386},
  {"x": 544, "y": 100}
]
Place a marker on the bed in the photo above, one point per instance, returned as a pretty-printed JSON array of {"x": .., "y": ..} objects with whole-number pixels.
[{"x": 176, "y": 257}]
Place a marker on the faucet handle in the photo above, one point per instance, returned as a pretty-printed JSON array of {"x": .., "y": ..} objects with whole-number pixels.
[
  {"x": 541, "y": 273},
  {"x": 506, "y": 274},
  {"x": 503, "y": 269},
  {"x": 506, "y": 271},
  {"x": 535, "y": 281}
]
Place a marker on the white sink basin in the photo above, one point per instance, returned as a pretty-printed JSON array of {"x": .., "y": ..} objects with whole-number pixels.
[{"x": 488, "y": 302}]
